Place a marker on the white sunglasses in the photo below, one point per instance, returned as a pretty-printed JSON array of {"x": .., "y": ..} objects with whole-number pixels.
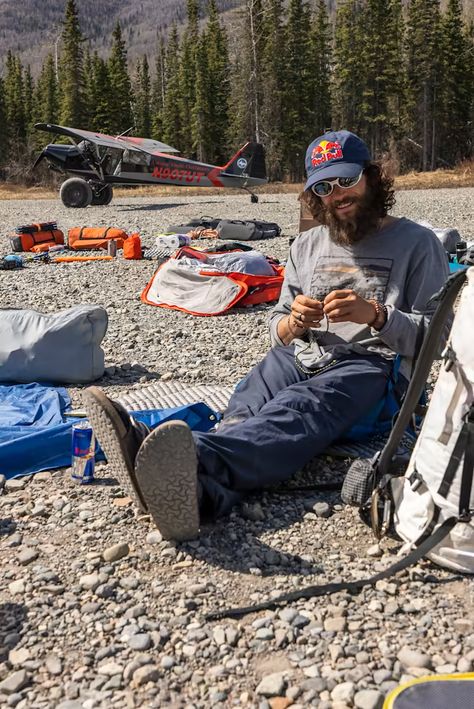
[{"x": 325, "y": 187}]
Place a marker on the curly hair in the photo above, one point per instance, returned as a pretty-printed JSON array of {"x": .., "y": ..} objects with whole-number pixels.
[{"x": 381, "y": 194}]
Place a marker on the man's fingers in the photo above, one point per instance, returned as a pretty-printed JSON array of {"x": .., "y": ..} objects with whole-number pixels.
[
  {"x": 306, "y": 302},
  {"x": 337, "y": 295}
]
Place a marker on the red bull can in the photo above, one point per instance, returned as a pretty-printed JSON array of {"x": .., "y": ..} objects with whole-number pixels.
[{"x": 83, "y": 453}]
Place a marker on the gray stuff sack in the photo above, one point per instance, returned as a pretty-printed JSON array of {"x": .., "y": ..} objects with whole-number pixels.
[{"x": 62, "y": 347}]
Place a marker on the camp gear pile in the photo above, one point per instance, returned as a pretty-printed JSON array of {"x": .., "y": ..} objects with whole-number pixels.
[
  {"x": 36, "y": 237},
  {"x": 209, "y": 284}
]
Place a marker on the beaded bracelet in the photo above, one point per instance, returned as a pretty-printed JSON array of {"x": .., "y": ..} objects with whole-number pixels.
[{"x": 380, "y": 314}]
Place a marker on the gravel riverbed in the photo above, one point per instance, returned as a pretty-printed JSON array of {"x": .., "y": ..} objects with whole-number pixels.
[{"x": 97, "y": 611}]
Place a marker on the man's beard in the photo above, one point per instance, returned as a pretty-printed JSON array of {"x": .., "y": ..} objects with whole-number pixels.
[{"x": 349, "y": 231}]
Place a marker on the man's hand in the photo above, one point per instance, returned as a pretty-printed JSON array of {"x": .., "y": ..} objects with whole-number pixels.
[
  {"x": 306, "y": 312},
  {"x": 348, "y": 306}
]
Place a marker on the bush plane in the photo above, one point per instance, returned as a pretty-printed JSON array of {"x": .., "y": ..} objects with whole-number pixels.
[{"x": 97, "y": 162}]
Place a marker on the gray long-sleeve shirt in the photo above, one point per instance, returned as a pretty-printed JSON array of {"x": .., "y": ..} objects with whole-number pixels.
[{"x": 402, "y": 265}]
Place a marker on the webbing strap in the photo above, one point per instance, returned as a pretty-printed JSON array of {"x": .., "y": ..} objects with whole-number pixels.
[
  {"x": 454, "y": 461},
  {"x": 352, "y": 586},
  {"x": 446, "y": 298},
  {"x": 468, "y": 469}
]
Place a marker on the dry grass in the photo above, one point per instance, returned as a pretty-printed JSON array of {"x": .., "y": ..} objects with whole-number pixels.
[{"x": 461, "y": 176}]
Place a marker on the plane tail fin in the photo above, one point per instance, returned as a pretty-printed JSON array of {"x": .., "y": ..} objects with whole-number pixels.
[{"x": 249, "y": 161}]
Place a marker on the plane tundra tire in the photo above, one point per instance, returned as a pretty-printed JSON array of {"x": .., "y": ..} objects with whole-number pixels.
[
  {"x": 75, "y": 193},
  {"x": 103, "y": 197}
]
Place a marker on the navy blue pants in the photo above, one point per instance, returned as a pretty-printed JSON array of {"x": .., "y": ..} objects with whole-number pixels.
[{"x": 279, "y": 419}]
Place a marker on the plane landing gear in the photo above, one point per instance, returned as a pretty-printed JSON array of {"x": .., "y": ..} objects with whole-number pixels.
[
  {"x": 76, "y": 193},
  {"x": 253, "y": 196}
]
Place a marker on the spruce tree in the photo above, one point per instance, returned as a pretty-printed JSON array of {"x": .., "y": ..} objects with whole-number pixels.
[
  {"x": 120, "y": 99},
  {"x": 71, "y": 79},
  {"x": 158, "y": 91},
  {"x": 454, "y": 139},
  {"x": 200, "y": 111},
  {"x": 423, "y": 78},
  {"x": 28, "y": 93},
  {"x": 320, "y": 69},
  {"x": 217, "y": 88},
  {"x": 298, "y": 120},
  {"x": 142, "y": 99},
  {"x": 14, "y": 105},
  {"x": 100, "y": 109},
  {"x": 273, "y": 79},
  {"x": 188, "y": 73},
  {"x": 246, "y": 77},
  {"x": 174, "y": 123},
  {"x": 45, "y": 98},
  {"x": 348, "y": 71},
  {"x": 382, "y": 57},
  {"x": 4, "y": 137}
]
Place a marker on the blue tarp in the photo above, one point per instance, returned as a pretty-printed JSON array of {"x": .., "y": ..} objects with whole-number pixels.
[{"x": 35, "y": 434}]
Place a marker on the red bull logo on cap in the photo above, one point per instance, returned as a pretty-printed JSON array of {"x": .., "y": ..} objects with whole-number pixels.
[{"x": 325, "y": 151}]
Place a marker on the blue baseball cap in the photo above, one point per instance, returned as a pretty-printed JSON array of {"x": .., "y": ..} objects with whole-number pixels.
[{"x": 335, "y": 154}]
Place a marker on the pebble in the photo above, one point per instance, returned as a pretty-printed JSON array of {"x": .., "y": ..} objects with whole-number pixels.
[
  {"x": 413, "y": 658},
  {"x": 322, "y": 509},
  {"x": 14, "y": 682},
  {"x": 116, "y": 552},
  {"x": 272, "y": 685},
  {"x": 26, "y": 556},
  {"x": 154, "y": 537},
  {"x": 368, "y": 699},
  {"x": 145, "y": 674},
  {"x": 140, "y": 641}
]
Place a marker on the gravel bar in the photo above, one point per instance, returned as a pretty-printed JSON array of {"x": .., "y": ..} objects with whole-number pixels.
[{"x": 96, "y": 610}]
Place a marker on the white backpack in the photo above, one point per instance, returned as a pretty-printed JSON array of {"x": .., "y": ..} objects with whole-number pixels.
[{"x": 437, "y": 485}]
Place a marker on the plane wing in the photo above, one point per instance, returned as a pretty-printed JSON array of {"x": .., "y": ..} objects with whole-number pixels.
[{"x": 107, "y": 141}]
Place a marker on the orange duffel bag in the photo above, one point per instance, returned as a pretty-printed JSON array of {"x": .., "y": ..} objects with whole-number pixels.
[
  {"x": 89, "y": 237},
  {"x": 36, "y": 240}
]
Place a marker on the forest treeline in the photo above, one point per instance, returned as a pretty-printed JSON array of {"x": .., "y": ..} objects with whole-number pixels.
[{"x": 400, "y": 74}]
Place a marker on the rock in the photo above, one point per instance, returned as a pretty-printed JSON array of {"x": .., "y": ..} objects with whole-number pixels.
[
  {"x": 279, "y": 702},
  {"x": 26, "y": 556},
  {"x": 89, "y": 581},
  {"x": 110, "y": 669},
  {"x": 16, "y": 587},
  {"x": 17, "y": 483},
  {"x": 145, "y": 674},
  {"x": 368, "y": 699},
  {"x": 18, "y": 657},
  {"x": 167, "y": 662},
  {"x": 14, "y": 682},
  {"x": 343, "y": 692},
  {"x": 413, "y": 658},
  {"x": 140, "y": 641},
  {"x": 54, "y": 665},
  {"x": 335, "y": 625},
  {"x": 272, "y": 685},
  {"x": 322, "y": 509},
  {"x": 254, "y": 512},
  {"x": 116, "y": 552},
  {"x": 374, "y": 550},
  {"x": 154, "y": 537}
]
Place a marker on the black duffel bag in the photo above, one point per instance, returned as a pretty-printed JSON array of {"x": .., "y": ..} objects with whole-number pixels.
[{"x": 249, "y": 230}]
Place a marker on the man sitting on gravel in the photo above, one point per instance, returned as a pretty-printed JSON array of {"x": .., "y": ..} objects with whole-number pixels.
[{"x": 355, "y": 292}]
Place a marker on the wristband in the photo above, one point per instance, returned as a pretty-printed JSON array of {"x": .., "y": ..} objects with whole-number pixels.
[
  {"x": 292, "y": 332},
  {"x": 381, "y": 314}
]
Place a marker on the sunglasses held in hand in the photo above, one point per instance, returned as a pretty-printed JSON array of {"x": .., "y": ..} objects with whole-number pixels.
[{"x": 325, "y": 187}]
